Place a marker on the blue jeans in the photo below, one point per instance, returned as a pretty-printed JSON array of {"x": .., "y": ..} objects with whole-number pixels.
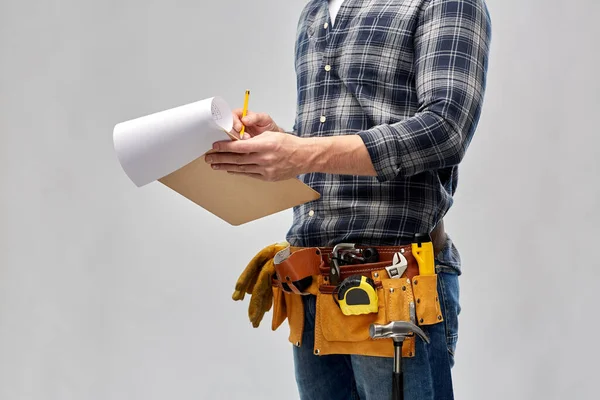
[{"x": 342, "y": 377}]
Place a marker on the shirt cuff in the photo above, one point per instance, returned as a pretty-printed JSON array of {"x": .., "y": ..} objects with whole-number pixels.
[{"x": 382, "y": 144}]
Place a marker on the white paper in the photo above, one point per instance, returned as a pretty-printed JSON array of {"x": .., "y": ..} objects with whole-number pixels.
[{"x": 158, "y": 144}]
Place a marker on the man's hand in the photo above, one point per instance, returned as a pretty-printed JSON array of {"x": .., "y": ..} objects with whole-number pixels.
[
  {"x": 256, "y": 123},
  {"x": 270, "y": 156}
]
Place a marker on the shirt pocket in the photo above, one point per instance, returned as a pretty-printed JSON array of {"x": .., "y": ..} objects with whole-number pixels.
[
  {"x": 376, "y": 29},
  {"x": 381, "y": 43}
]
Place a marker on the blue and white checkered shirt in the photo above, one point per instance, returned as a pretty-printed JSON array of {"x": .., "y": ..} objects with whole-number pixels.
[{"x": 408, "y": 77}]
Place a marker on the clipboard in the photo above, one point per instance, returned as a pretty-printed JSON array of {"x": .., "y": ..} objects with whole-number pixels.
[{"x": 170, "y": 147}]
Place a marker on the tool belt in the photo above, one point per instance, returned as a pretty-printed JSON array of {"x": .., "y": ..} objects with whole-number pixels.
[{"x": 411, "y": 296}]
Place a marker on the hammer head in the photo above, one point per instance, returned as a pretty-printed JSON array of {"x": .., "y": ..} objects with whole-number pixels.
[{"x": 397, "y": 330}]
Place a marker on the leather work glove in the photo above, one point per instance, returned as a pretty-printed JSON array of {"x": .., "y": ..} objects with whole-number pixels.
[{"x": 256, "y": 281}]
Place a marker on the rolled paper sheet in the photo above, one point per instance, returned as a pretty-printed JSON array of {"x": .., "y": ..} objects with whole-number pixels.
[{"x": 153, "y": 146}]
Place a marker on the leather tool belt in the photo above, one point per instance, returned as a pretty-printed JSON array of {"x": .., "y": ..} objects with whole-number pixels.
[
  {"x": 298, "y": 265},
  {"x": 410, "y": 297}
]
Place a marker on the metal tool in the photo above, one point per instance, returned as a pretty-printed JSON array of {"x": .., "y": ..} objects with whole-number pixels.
[
  {"x": 397, "y": 331},
  {"x": 346, "y": 254},
  {"x": 365, "y": 256},
  {"x": 399, "y": 265},
  {"x": 334, "y": 265}
]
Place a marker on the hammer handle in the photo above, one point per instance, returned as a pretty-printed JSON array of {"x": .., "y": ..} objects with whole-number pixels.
[
  {"x": 398, "y": 386},
  {"x": 397, "y": 375}
]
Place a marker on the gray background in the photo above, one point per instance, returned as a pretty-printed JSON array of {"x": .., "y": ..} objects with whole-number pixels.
[{"x": 107, "y": 291}]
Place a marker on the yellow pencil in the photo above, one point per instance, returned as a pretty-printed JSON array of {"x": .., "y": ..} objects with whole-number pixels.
[{"x": 245, "y": 112}]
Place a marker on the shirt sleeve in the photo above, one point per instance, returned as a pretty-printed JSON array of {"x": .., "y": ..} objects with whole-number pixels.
[{"x": 451, "y": 48}]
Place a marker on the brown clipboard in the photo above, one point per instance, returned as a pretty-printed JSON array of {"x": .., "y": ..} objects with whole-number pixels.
[{"x": 236, "y": 199}]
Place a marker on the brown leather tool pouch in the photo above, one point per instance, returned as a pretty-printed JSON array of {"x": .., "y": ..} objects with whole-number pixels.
[
  {"x": 411, "y": 298},
  {"x": 279, "y": 308},
  {"x": 428, "y": 308},
  {"x": 295, "y": 274},
  {"x": 288, "y": 306},
  {"x": 336, "y": 333},
  {"x": 294, "y": 277}
]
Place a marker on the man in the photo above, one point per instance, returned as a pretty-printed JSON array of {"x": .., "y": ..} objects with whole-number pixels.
[{"x": 389, "y": 97}]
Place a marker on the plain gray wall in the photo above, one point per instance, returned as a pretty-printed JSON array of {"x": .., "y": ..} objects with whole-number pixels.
[{"x": 112, "y": 292}]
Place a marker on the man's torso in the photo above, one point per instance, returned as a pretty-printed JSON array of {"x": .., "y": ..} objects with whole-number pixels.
[{"x": 352, "y": 76}]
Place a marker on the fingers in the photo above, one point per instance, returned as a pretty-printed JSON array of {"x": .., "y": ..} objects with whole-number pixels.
[
  {"x": 260, "y": 177},
  {"x": 238, "y": 121},
  {"x": 226, "y": 159},
  {"x": 251, "y": 170},
  {"x": 252, "y": 270},
  {"x": 244, "y": 146},
  {"x": 250, "y": 287},
  {"x": 236, "y": 134},
  {"x": 257, "y": 119},
  {"x": 247, "y": 169},
  {"x": 250, "y": 274},
  {"x": 237, "y": 112},
  {"x": 237, "y": 163},
  {"x": 262, "y": 295},
  {"x": 251, "y": 120}
]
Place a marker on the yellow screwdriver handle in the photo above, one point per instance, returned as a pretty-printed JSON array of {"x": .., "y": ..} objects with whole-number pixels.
[{"x": 423, "y": 252}]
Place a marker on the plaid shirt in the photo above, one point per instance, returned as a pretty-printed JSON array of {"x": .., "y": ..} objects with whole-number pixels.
[{"x": 408, "y": 77}]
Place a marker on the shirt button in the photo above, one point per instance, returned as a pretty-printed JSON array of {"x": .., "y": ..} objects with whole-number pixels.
[
  {"x": 311, "y": 213},
  {"x": 328, "y": 68},
  {"x": 326, "y": 25},
  {"x": 323, "y": 119}
]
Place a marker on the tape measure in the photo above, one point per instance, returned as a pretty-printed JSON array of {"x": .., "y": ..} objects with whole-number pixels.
[{"x": 357, "y": 295}]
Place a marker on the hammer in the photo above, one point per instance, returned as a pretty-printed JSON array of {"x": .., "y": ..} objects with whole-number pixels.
[{"x": 397, "y": 331}]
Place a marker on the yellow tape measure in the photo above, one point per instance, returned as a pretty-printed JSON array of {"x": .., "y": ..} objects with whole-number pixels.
[{"x": 357, "y": 295}]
